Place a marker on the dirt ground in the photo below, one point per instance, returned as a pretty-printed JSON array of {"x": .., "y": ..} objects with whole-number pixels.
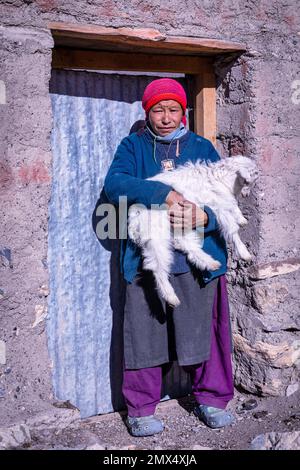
[{"x": 182, "y": 429}]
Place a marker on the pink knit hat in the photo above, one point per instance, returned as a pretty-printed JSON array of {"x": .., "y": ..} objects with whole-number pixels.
[{"x": 164, "y": 89}]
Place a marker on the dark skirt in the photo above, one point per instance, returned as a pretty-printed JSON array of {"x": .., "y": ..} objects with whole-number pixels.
[{"x": 155, "y": 333}]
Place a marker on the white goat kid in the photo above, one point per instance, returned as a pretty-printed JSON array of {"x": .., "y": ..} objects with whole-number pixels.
[{"x": 215, "y": 185}]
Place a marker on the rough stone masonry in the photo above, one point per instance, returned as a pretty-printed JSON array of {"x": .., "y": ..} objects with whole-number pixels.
[{"x": 258, "y": 115}]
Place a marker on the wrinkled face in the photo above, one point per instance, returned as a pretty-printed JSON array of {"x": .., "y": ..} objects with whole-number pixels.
[{"x": 165, "y": 117}]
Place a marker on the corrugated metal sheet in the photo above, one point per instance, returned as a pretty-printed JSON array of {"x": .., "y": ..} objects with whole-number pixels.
[{"x": 91, "y": 113}]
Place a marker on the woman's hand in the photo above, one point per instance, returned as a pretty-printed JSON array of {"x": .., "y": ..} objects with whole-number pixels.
[{"x": 184, "y": 214}]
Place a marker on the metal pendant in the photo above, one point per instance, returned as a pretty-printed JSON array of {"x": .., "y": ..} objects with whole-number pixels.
[{"x": 168, "y": 164}]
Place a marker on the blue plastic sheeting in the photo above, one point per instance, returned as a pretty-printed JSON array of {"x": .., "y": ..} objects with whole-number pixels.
[{"x": 91, "y": 113}]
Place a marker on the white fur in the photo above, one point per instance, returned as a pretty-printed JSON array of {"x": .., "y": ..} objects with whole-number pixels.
[{"x": 216, "y": 185}]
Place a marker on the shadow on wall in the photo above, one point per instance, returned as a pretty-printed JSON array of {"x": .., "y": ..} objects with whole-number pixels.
[{"x": 117, "y": 300}]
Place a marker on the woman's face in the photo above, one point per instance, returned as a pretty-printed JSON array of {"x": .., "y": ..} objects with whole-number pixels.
[{"x": 165, "y": 117}]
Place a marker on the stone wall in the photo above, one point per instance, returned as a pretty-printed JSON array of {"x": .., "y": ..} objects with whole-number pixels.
[{"x": 258, "y": 112}]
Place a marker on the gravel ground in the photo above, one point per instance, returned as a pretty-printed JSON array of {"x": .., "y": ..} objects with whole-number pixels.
[{"x": 182, "y": 429}]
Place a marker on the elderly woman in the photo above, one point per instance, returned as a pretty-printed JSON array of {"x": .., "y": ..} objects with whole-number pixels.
[{"x": 197, "y": 332}]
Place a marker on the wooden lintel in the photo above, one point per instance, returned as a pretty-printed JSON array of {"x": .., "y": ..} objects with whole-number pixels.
[
  {"x": 90, "y": 31},
  {"x": 67, "y": 58},
  {"x": 143, "y": 38}
]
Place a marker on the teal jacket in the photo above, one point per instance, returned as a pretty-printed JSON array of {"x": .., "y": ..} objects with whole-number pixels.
[{"x": 132, "y": 164}]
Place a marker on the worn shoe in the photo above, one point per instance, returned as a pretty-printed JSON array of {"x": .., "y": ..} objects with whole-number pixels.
[
  {"x": 144, "y": 425},
  {"x": 213, "y": 417}
]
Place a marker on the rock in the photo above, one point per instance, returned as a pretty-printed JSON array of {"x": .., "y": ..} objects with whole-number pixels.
[
  {"x": 128, "y": 447},
  {"x": 59, "y": 419},
  {"x": 291, "y": 389},
  {"x": 266, "y": 298},
  {"x": 5, "y": 254},
  {"x": 267, "y": 363},
  {"x": 195, "y": 429},
  {"x": 280, "y": 355},
  {"x": 15, "y": 437},
  {"x": 198, "y": 447},
  {"x": 274, "y": 268},
  {"x": 45, "y": 263},
  {"x": 16, "y": 331},
  {"x": 2, "y": 352},
  {"x": 64, "y": 404},
  {"x": 277, "y": 441},
  {"x": 292, "y": 419},
  {"x": 249, "y": 404},
  {"x": 95, "y": 447},
  {"x": 40, "y": 314},
  {"x": 44, "y": 290},
  {"x": 260, "y": 414}
]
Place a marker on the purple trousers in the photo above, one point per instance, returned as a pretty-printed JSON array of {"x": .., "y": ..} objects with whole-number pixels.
[{"x": 212, "y": 380}]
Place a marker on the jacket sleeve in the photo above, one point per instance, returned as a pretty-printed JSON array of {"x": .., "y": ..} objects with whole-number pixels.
[
  {"x": 121, "y": 180},
  {"x": 212, "y": 223}
]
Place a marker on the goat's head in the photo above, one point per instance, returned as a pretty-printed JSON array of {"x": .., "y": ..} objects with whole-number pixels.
[{"x": 244, "y": 172}]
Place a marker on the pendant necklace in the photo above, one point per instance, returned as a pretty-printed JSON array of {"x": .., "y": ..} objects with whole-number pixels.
[{"x": 169, "y": 163}]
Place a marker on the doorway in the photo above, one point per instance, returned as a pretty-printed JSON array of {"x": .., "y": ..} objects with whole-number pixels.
[{"x": 92, "y": 113}]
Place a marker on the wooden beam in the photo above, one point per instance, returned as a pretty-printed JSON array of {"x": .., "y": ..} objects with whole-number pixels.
[
  {"x": 90, "y": 31},
  {"x": 145, "y": 38},
  {"x": 205, "y": 105},
  {"x": 65, "y": 58}
]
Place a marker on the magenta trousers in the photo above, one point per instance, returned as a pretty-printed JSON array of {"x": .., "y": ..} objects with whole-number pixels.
[{"x": 212, "y": 380}]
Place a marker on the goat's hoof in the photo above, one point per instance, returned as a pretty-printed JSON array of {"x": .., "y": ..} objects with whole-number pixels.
[
  {"x": 174, "y": 301},
  {"x": 214, "y": 265},
  {"x": 243, "y": 222},
  {"x": 244, "y": 254},
  {"x": 247, "y": 257}
]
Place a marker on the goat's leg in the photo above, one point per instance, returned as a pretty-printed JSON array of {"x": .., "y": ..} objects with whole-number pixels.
[
  {"x": 189, "y": 243},
  {"x": 238, "y": 216},
  {"x": 158, "y": 258},
  {"x": 151, "y": 231},
  {"x": 240, "y": 247},
  {"x": 230, "y": 230}
]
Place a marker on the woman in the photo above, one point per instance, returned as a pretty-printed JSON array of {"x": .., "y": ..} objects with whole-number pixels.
[{"x": 197, "y": 332}]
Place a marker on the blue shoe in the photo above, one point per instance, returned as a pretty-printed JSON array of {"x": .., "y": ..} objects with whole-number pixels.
[
  {"x": 213, "y": 417},
  {"x": 144, "y": 425}
]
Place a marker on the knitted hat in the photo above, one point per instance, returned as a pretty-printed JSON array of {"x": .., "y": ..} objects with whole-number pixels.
[{"x": 164, "y": 89}]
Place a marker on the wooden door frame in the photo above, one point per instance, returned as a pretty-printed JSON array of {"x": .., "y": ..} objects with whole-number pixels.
[{"x": 92, "y": 47}]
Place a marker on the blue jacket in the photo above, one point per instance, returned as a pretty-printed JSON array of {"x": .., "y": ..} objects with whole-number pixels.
[{"x": 132, "y": 164}]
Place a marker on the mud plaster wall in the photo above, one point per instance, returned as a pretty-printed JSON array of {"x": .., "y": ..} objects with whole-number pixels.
[{"x": 258, "y": 111}]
